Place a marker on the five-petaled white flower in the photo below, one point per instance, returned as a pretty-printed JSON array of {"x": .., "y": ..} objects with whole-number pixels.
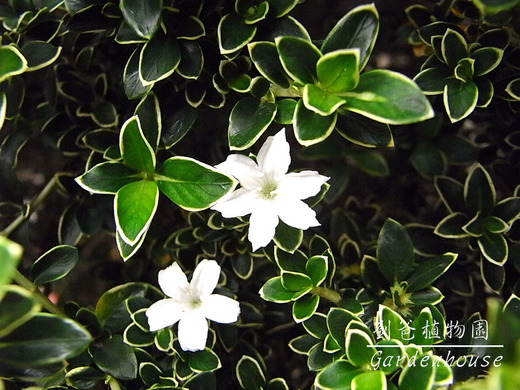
[
  {"x": 268, "y": 192},
  {"x": 191, "y": 304}
]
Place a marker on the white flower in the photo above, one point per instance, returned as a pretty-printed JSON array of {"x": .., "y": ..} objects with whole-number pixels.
[
  {"x": 191, "y": 304},
  {"x": 268, "y": 192}
]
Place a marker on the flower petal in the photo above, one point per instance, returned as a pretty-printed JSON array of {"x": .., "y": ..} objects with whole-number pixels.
[
  {"x": 244, "y": 169},
  {"x": 193, "y": 331},
  {"x": 262, "y": 226},
  {"x": 205, "y": 278},
  {"x": 274, "y": 156},
  {"x": 241, "y": 202},
  {"x": 173, "y": 282},
  {"x": 296, "y": 213},
  {"x": 163, "y": 313},
  {"x": 220, "y": 309},
  {"x": 301, "y": 185}
]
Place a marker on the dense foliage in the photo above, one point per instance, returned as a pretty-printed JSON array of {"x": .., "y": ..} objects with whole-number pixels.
[{"x": 352, "y": 169}]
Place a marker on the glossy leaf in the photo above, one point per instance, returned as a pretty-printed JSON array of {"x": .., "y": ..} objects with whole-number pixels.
[
  {"x": 311, "y": 128},
  {"x": 453, "y": 47},
  {"x": 388, "y": 97},
  {"x": 395, "y": 256},
  {"x": 451, "y": 226},
  {"x": 358, "y": 349},
  {"x": 12, "y": 62},
  {"x": 249, "y": 119},
  {"x": 337, "y": 71},
  {"x": 432, "y": 80},
  {"x": 299, "y": 58},
  {"x": 317, "y": 268},
  {"x": 191, "y": 184},
  {"x": 158, "y": 59},
  {"x": 494, "y": 248},
  {"x": 265, "y": 57},
  {"x": 135, "y": 148},
  {"x": 133, "y": 86},
  {"x": 357, "y": 29},
  {"x": 274, "y": 291},
  {"x": 337, "y": 376},
  {"x": 337, "y": 321},
  {"x": 115, "y": 358},
  {"x": 295, "y": 281},
  {"x": 249, "y": 374},
  {"x": 320, "y": 101},
  {"x": 451, "y": 193},
  {"x": 142, "y": 16},
  {"x": 10, "y": 253},
  {"x": 287, "y": 237},
  {"x": 149, "y": 113},
  {"x": 134, "y": 207},
  {"x": 305, "y": 307},
  {"x": 370, "y": 380},
  {"x": 16, "y": 307},
  {"x": 430, "y": 270},
  {"x": 107, "y": 178},
  {"x": 44, "y": 339},
  {"x": 362, "y": 130},
  {"x": 40, "y": 54},
  {"x": 486, "y": 59},
  {"x": 54, "y": 264},
  {"x": 460, "y": 98},
  {"x": 234, "y": 33},
  {"x": 204, "y": 361},
  {"x": 479, "y": 191}
]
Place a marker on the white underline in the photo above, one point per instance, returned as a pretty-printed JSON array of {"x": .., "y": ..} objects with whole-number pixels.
[{"x": 440, "y": 346}]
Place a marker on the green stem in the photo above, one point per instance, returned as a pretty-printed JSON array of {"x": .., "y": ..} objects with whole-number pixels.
[
  {"x": 38, "y": 295},
  {"x": 286, "y": 92},
  {"x": 326, "y": 293},
  {"x": 32, "y": 206},
  {"x": 114, "y": 384}
]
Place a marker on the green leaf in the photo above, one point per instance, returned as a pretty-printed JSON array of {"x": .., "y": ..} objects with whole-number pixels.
[
  {"x": 317, "y": 268},
  {"x": 249, "y": 374},
  {"x": 451, "y": 193},
  {"x": 249, "y": 119},
  {"x": 274, "y": 291},
  {"x": 265, "y": 57},
  {"x": 479, "y": 191},
  {"x": 285, "y": 111},
  {"x": 418, "y": 376},
  {"x": 54, "y": 264},
  {"x": 3, "y": 108},
  {"x": 507, "y": 209},
  {"x": 134, "y": 207},
  {"x": 494, "y": 248},
  {"x": 17, "y": 306},
  {"x": 452, "y": 226},
  {"x": 495, "y": 225},
  {"x": 337, "y": 71},
  {"x": 288, "y": 238},
  {"x": 39, "y": 54},
  {"x": 142, "y": 16},
  {"x": 390, "y": 351},
  {"x": 192, "y": 60},
  {"x": 277, "y": 384},
  {"x": 107, "y": 178},
  {"x": 135, "y": 148},
  {"x": 316, "y": 326},
  {"x": 372, "y": 162},
  {"x": 302, "y": 344},
  {"x": 337, "y": 321},
  {"x": 299, "y": 58},
  {"x": 430, "y": 270},
  {"x": 493, "y": 275},
  {"x": 391, "y": 324},
  {"x": 12, "y": 62},
  {"x": 428, "y": 160},
  {"x": 179, "y": 121},
  {"x": 128, "y": 250},
  {"x": 279, "y": 8},
  {"x": 337, "y": 376},
  {"x": 357, "y": 347},
  {"x": 460, "y": 98},
  {"x": 320, "y": 101},
  {"x": 432, "y": 80},
  {"x": 132, "y": 83},
  {"x": 305, "y": 307},
  {"x": 149, "y": 113},
  {"x": 513, "y": 89},
  {"x": 388, "y": 97},
  {"x": 115, "y": 358},
  {"x": 234, "y": 33},
  {"x": 453, "y": 47},
  {"x": 204, "y": 361},
  {"x": 295, "y": 281},
  {"x": 357, "y": 29},
  {"x": 192, "y": 184},
  {"x": 369, "y": 380},
  {"x": 260, "y": 11},
  {"x": 10, "y": 253},
  {"x": 311, "y": 128},
  {"x": 362, "y": 130},
  {"x": 158, "y": 59},
  {"x": 493, "y": 7},
  {"x": 291, "y": 262},
  {"x": 395, "y": 256},
  {"x": 44, "y": 339},
  {"x": 486, "y": 59}
]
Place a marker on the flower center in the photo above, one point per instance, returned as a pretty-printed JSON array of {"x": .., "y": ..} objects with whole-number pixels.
[{"x": 268, "y": 190}]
